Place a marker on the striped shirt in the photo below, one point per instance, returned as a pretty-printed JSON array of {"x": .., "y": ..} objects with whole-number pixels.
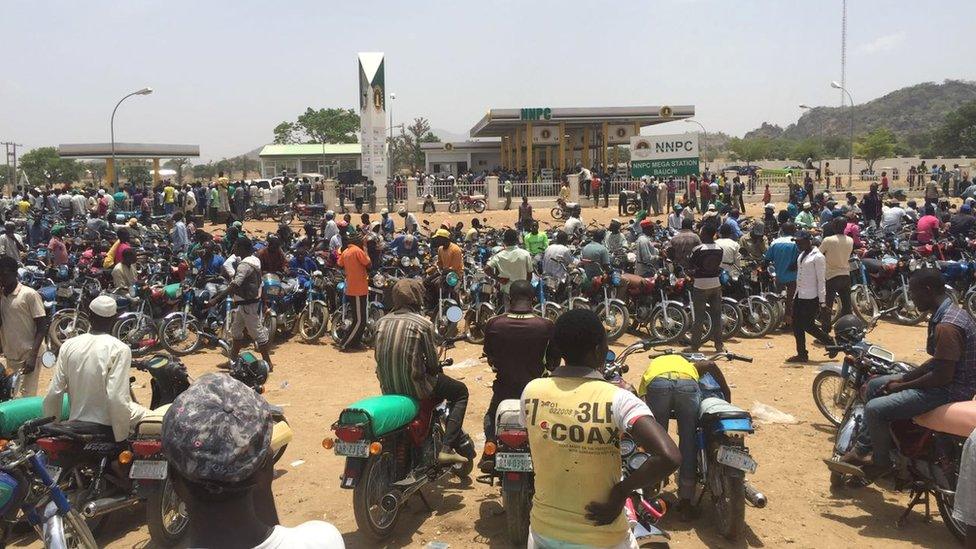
[{"x": 406, "y": 357}]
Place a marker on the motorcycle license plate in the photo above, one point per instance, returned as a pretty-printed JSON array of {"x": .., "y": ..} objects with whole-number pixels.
[
  {"x": 736, "y": 458},
  {"x": 518, "y": 462},
  {"x": 352, "y": 449},
  {"x": 148, "y": 469},
  {"x": 53, "y": 471}
]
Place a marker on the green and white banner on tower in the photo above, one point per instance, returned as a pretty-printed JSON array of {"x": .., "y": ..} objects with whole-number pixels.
[
  {"x": 664, "y": 155},
  {"x": 372, "y": 118}
]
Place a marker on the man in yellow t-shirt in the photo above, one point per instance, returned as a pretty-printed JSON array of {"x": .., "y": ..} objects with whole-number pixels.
[
  {"x": 169, "y": 199},
  {"x": 575, "y": 420}
]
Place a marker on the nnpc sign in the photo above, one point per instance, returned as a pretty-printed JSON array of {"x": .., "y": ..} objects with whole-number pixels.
[
  {"x": 535, "y": 113},
  {"x": 664, "y": 155}
]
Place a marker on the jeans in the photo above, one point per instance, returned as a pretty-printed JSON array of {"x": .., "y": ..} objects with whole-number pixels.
[
  {"x": 456, "y": 394},
  {"x": 805, "y": 322},
  {"x": 881, "y": 410},
  {"x": 839, "y": 286},
  {"x": 713, "y": 299},
  {"x": 683, "y": 397}
]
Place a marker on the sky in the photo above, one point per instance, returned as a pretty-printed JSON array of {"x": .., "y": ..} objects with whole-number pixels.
[{"x": 225, "y": 73}]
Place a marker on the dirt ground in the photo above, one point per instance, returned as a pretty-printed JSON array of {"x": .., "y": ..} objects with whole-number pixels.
[{"x": 314, "y": 382}]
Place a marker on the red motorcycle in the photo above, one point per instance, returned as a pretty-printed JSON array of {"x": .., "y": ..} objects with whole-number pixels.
[
  {"x": 468, "y": 202},
  {"x": 651, "y": 308}
]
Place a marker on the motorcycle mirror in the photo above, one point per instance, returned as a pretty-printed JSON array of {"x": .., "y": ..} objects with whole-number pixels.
[
  {"x": 48, "y": 359},
  {"x": 611, "y": 356},
  {"x": 454, "y": 314}
]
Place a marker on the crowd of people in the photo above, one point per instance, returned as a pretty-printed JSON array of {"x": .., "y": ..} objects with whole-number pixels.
[{"x": 216, "y": 434}]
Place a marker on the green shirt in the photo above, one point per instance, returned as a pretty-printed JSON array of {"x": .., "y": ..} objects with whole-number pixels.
[{"x": 536, "y": 243}]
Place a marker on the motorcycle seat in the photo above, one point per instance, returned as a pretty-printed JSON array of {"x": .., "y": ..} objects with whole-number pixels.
[
  {"x": 508, "y": 415},
  {"x": 151, "y": 423},
  {"x": 82, "y": 431},
  {"x": 957, "y": 418},
  {"x": 716, "y": 408},
  {"x": 637, "y": 285},
  {"x": 872, "y": 265},
  {"x": 383, "y": 414}
]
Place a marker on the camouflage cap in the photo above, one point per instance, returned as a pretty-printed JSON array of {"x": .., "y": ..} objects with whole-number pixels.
[{"x": 218, "y": 430}]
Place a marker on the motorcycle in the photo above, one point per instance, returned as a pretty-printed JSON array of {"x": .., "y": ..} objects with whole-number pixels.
[
  {"x": 30, "y": 493},
  {"x": 82, "y": 453},
  {"x": 564, "y": 209},
  {"x": 756, "y": 311},
  {"x": 341, "y": 320},
  {"x": 139, "y": 328},
  {"x": 474, "y": 202},
  {"x": 651, "y": 308},
  {"x": 612, "y": 311},
  {"x": 926, "y": 452},
  {"x": 481, "y": 291},
  {"x": 391, "y": 445},
  {"x": 68, "y": 322},
  {"x": 183, "y": 332}
]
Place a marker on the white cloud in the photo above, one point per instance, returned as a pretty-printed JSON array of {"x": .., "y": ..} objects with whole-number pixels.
[{"x": 887, "y": 42}]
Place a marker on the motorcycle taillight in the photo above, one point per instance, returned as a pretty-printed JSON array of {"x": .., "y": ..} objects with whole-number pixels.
[
  {"x": 350, "y": 433},
  {"x": 146, "y": 448},
  {"x": 54, "y": 446},
  {"x": 513, "y": 438}
]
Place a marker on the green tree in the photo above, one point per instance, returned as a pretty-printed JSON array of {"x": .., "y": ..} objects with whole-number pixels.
[
  {"x": 204, "y": 171},
  {"x": 806, "y": 148},
  {"x": 836, "y": 147},
  {"x": 137, "y": 173},
  {"x": 957, "y": 134},
  {"x": 751, "y": 149},
  {"x": 330, "y": 125},
  {"x": 96, "y": 171},
  {"x": 876, "y": 145},
  {"x": 180, "y": 165},
  {"x": 43, "y": 165},
  {"x": 419, "y": 132}
]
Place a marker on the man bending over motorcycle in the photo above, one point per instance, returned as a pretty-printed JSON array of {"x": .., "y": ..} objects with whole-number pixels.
[
  {"x": 407, "y": 364},
  {"x": 575, "y": 420},
  {"x": 949, "y": 376},
  {"x": 518, "y": 347},
  {"x": 670, "y": 386}
]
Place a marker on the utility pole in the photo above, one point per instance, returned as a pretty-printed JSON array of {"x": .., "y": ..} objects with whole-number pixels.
[
  {"x": 843, "y": 52},
  {"x": 11, "y": 149}
]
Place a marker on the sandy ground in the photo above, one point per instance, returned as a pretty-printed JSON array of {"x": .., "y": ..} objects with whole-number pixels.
[{"x": 314, "y": 382}]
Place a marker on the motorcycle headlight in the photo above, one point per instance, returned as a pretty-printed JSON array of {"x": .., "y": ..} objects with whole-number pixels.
[
  {"x": 341, "y": 286},
  {"x": 615, "y": 278},
  {"x": 635, "y": 461},
  {"x": 627, "y": 447},
  {"x": 451, "y": 279},
  {"x": 379, "y": 280},
  {"x": 405, "y": 261}
]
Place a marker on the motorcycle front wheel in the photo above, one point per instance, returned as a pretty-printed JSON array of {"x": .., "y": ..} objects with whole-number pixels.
[
  {"x": 731, "y": 320},
  {"x": 478, "y": 206},
  {"x": 454, "y": 207},
  {"x": 64, "y": 326},
  {"x": 758, "y": 317},
  {"x": 614, "y": 318},
  {"x": 313, "y": 322},
  {"x": 668, "y": 323},
  {"x": 556, "y": 213},
  {"x": 180, "y": 337},
  {"x": 864, "y": 304},
  {"x": 166, "y": 515},
  {"x": 475, "y": 319},
  {"x": 828, "y": 387},
  {"x": 136, "y": 332},
  {"x": 367, "y": 498},
  {"x": 338, "y": 327},
  {"x": 907, "y": 313}
]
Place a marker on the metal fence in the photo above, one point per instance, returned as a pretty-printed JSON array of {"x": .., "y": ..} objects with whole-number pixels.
[{"x": 443, "y": 189}]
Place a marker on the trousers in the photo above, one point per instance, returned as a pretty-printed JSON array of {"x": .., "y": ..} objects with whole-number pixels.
[{"x": 357, "y": 307}]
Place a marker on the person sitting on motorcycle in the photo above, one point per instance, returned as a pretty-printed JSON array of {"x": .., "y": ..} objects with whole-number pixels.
[
  {"x": 405, "y": 245},
  {"x": 536, "y": 241},
  {"x": 210, "y": 261},
  {"x": 595, "y": 256},
  {"x": 575, "y": 420},
  {"x": 949, "y": 376},
  {"x": 474, "y": 231},
  {"x": 124, "y": 273},
  {"x": 670, "y": 387},
  {"x": 301, "y": 260},
  {"x": 574, "y": 225},
  {"x": 613, "y": 240},
  {"x": 518, "y": 347},
  {"x": 217, "y": 439},
  {"x": 407, "y": 364},
  {"x": 93, "y": 370},
  {"x": 646, "y": 252},
  {"x": 272, "y": 258}
]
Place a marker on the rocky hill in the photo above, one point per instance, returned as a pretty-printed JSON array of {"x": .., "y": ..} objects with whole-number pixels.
[{"x": 909, "y": 112}]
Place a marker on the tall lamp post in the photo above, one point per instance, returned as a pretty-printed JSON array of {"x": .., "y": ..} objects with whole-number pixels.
[
  {"x": 819, "y": 160},
  {"x": 115, "y": 172},
  {"x": 850, "y": 161},
  {"x": 704, "y": 136}
]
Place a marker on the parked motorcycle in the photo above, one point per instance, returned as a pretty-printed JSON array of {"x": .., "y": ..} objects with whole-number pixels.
[
  {"x": 467, "y": 202},
  {"x": 391, "y": 444},
  {"x": 512, "y": 469},
  {"x": 31, "y": 494}
]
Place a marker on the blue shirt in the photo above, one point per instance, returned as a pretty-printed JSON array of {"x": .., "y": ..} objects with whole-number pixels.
[
  {"x": 401, "y": 250},
  {"x": 736, "y": 230},
  {"x": 306, "y": 264},
  {"x": 213, "y": 266},
  {"x": 388, "y": 227},
  {"x": 783, "y": 253}
]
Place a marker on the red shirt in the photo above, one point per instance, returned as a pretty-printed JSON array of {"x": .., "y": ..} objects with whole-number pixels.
[
  {"x": 595, "y": 184},
  {"x": 925, "y": 228},
  {"x": 355, "y": 263}
]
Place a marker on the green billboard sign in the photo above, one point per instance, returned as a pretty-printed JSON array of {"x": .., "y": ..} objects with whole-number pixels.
[{"x": 664, "y": 155}]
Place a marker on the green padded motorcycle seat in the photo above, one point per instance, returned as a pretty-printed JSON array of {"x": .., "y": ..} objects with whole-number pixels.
[{"x": 382, "y": 413}]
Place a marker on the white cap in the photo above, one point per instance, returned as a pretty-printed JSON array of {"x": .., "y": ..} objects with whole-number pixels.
[{"x": 103, "y": 306}]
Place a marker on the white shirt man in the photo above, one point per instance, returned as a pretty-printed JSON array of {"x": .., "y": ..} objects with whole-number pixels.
[
  {"x": 555, "y": 260},
  {"x": 573, "y": 225},
  {"x": 811, "y": 276},
  {"x": 64, "y": 202},
  {"x": 79, "y": 205},
  {"x": 892, "y": 218},
  {"x": 19, "y": 312},
  {"x": 190, "y": 202},
  {"x": 123, "y": 276},
  {"x": 93, "y": 369},
  {"x": 730, "y": 256}
]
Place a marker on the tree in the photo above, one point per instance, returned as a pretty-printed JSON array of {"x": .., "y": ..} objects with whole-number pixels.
[
  {"x": 878, "y": 144},
  {"x": 204, "y": 171},
  {"x": 419, "y": 132},
  {"x": 806, "y": 148},
  {"x": 180, "y": 165},
  {"x": 44, "y": 165},
  {"x": 137, "y": 173},
  {"x": 751, "y": 149},
  {"x": 330, "y": 125},
  {"x": 957, "y": 134}
]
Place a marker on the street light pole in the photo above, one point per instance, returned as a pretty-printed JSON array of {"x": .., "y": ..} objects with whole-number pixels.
[
  {"x": 850, "y": 161},
  {"x": 704, "y": 137},
  {"x": 115, "y": 171}
]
